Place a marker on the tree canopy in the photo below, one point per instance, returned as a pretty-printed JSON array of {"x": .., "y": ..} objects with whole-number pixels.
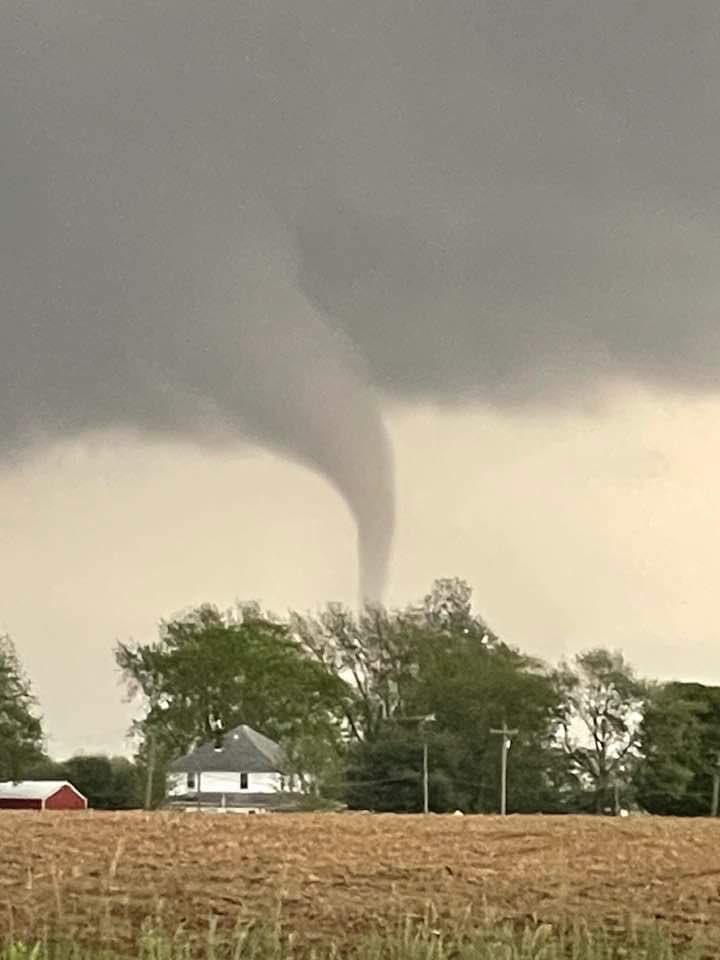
[
  {"x": 210, "y": 671},
  {"x": 357, "y": 698},
  {"x": 437, "y": 659},
  {"x": 21, "y": 734},
  {"x": 601, "y": 707},
  {"x": 680, "y": 745}
]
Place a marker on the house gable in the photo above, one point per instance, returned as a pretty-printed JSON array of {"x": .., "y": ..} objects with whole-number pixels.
[
  {"x": 242, "y": 750},
  {"x": 245, "y": 772}
]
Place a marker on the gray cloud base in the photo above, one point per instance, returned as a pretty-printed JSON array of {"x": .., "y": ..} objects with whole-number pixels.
[{"x": 250, "y": 217}]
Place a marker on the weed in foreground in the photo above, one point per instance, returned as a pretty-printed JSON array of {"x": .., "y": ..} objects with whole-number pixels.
[{"x": 409, "y": 942}]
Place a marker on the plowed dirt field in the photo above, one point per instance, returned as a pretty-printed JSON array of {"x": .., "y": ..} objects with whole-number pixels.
[{"x": 332, "y": 876}]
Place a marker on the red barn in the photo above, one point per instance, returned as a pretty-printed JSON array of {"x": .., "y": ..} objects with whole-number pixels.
[{"x": 41, "y": 795}]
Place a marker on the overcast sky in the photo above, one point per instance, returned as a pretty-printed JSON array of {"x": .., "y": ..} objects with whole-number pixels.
[{"x": 439, "y": 278}]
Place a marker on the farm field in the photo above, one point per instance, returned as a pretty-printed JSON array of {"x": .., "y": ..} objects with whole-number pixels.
[{"x": 98, "y": 877}]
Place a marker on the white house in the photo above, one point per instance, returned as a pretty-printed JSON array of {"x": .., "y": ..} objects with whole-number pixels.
[{"x": 243, "y": 771}]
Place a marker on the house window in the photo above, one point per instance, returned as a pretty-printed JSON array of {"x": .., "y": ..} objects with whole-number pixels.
[
  {"x": 191, "y": 781},
  {"x": 243, "y": 781}
]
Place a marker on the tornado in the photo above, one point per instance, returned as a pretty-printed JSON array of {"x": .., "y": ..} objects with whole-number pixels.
[
  {"x": 150, "y": 278},
  {"x": 304, "y": 392},
  {"x": 255, "y": 220}
]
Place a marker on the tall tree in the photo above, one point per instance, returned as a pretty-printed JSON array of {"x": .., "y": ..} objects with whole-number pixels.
[
  {"x": 374, "y": 653},
  {"x": 602, "y": 704},
  {"x": 380, "y": 652},
  {"x": 437, "y": 658},
  {"x": 210, "y": 671},
  {"x": 21, "y": 736},
  {"x": 152, "y": 761},
  {"x": 473, "y": 682},
  {"x": 680, "y": 746},
  {"x": 448, "y": 607}
]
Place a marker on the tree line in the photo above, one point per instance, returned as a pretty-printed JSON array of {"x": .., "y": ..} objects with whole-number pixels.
[{"x": 348, "y": 696}]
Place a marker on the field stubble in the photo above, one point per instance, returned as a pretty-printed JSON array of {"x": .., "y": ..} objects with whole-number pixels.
[{"x": 99, "y": 878}]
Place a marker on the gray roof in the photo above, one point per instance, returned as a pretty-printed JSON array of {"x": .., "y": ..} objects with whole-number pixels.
[{"x": 244, "y": 750}]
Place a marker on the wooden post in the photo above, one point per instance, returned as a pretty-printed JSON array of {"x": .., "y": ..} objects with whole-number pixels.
[
  {"x": 716, "y": 788},
  {"x": 505, "y": 735},
  {"x": 423, "y": 721},
  {"x": 150, "y": 772},
  {"x": 426, "y": 784}
]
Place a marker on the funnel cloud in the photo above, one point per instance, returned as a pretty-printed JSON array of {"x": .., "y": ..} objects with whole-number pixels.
[{"x": 256, "y": 219}]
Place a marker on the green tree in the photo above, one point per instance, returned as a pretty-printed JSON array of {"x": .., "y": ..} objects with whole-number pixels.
[
  {"x": 374, "y": 653},
  {"x": 380, "y": 653},
  {"x": 21, "y": 735},
  {"x": 601, "y": 708},
  {"x": 448, "y": 608},
  {"x": 152, "y": 762},
  {"x": 209, "y": 672},
  {"x": 317, "y": 763},
  {"x": 680, "y": 747},
  {"x": 45, "y": 768},
  {"x": 473, "y": 682},
  {"x": 109, "y": 783},
  {"x": 386, "y": 774},
  {"x": 440, "y": 658},
  {"x": 127, "y": 784}
]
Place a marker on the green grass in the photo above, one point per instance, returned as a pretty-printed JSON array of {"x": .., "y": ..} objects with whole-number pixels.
[{"x": 412, "y": 941}]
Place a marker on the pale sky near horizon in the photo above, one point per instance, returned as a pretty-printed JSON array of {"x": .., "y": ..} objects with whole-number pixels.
[{"x": 574, "y": 530}]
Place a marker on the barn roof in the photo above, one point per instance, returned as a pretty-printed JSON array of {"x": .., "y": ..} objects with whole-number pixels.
[
  {"x": 32, "y": 789},
  {"x": 243, "y": 750}
]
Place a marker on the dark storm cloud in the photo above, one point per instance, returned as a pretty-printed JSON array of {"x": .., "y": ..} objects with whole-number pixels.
[
  {"x": 541, "y": 204},
  {"x": 245, "y": 217}
]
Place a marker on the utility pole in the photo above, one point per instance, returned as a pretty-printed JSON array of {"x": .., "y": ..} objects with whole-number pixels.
[
  {"x": 716, "y": 787},
  {"x": 430, "y": 718},
  {"x": 150, "y": 772},
  {"x": 423, "y": 721},
  {"x": 426, "y": 779},
  {"x": 505, "y": 733}
]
